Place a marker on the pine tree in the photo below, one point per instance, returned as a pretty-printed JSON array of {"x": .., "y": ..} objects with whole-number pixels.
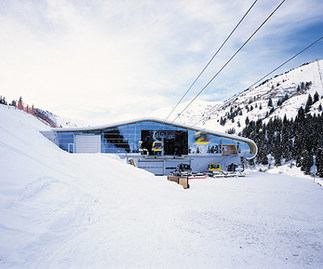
[
  {"x": 247, "y": 121},
  {"x": 308, "y": 103},
  {"x": 20, "y": 103},
  {"x": 319, "y": 162},
  {"x": 277, "y": 150},
  {"x": 262, "y": 148},
  {"x": 307, "y": 161},
  {"x": 270, "y": 102},
  {"x": 286, "y": 97},
  {"x": 297, "y": 150},
  {"x": 301, "y": 114},
  {"x": 286, "y": 141},
  {"x": 316, "y": 97}
]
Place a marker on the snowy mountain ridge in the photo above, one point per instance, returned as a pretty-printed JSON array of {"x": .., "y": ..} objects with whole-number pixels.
[
  {"x": 288, "y": 92},
  {"x": 64, "y": 122},
  {"x": 290, "y": 88}
]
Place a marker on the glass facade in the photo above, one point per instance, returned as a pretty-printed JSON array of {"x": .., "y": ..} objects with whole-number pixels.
[
  {"x": 133, "y": 137},
  {"x": 65, "y": 139}
]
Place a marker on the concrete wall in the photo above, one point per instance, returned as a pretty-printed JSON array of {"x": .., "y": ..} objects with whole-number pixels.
[{"x": 164, "y": 165}]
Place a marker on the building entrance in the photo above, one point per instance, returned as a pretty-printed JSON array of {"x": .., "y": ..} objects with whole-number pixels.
[{"x": 174, "y": 142}]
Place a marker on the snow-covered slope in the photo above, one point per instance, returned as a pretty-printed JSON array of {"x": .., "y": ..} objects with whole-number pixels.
[
  {"x": 194, "y": 113},
  {"x": 61, "y": 210},
  {"x": 253, "y": 103},
  {"x": 63, "y": 122}
]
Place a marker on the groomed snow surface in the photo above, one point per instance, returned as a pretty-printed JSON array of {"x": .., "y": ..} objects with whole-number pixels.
[{"x": 61, "y": 210}]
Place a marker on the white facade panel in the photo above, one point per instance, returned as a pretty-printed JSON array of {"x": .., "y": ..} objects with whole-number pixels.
[
  {"x": 155, "y": 167},
  {"x": 87, "y": 143}
]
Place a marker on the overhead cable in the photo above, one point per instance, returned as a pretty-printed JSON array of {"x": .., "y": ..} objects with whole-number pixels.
[
  {"x": 211, "y": 59},
  {"x": 253, "y": 34},
  {"x": 291, "y": 58}
]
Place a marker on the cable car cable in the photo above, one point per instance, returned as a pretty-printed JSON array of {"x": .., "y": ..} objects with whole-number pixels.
[
  {"x": 231, "y": 58},
  {"x": 211, "y": 59},
  {"x": 287, "y": 61}
]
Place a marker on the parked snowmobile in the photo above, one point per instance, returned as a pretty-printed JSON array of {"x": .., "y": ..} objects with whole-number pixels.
[
  {"x": 182, "y": 170},
  {"x": 185, "y": 170},
  {"x": 214, "y": 170},
  {"x": 235, "y": 170}
]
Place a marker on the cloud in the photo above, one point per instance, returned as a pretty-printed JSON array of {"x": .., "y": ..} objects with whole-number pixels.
[{"x": 112, "y": 60}]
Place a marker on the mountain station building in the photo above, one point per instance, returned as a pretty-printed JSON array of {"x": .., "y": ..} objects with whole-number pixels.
[{"x": 156, "y": 145}]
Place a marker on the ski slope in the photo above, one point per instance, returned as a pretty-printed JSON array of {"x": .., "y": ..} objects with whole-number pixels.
[
  {"x": 208, "y": 114},
  {"x": 61, "y": 210}
]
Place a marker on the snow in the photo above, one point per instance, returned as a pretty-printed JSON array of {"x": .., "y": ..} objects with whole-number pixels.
[
  {"x": 61, "y": 210},
  {"x": 275, "y": 88}
]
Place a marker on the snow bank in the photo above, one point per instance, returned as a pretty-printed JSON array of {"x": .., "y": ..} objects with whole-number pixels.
[{"x": 61, "y": 210}]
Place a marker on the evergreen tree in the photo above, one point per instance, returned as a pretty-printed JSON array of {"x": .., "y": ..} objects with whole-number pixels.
[
  {"x": 295, "y": 139},
  {"x": 319, "y": 162},
  {"x": 297, "y": 150},
  {"x": 309, "y": 103},
  {"x": 301, "y": 114},
  {"x": 20, "y": 103},
  {"x": 307, "y": 161},
  {"x": 247, "y": 121},
  {"x": 262, "y": 148},
  {"x": 277, "y": 150},
  {"x": 316, "y": 97},
  {"x": 286, "y": 97},
  {"x": 286, "y": 141},
  {"x": 270, "y": 102},
  {"x": 3, "y": 100},
  {"x": 223, "y": 121}
]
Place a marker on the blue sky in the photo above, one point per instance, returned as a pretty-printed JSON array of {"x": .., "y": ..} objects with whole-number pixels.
[{"x": 105, "y": 61}]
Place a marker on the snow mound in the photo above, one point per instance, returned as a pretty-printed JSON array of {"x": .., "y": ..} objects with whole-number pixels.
[{"x": 61, "y": 210}]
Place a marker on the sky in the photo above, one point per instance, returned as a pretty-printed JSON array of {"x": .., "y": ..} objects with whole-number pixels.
[{"x": 107, "y": 61}]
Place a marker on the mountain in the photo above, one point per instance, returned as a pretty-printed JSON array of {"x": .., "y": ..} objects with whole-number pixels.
[
  {"x": 63, "y": 122},
  {"x": 287, "y": 92}
]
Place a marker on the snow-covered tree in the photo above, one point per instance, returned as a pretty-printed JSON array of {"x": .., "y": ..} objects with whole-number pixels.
[{"x": 319, "y": 162}]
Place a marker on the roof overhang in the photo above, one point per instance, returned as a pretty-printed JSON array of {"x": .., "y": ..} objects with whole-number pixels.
[{"x": 252, "y": 144}]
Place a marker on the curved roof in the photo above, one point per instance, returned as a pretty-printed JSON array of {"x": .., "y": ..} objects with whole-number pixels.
[{"x": 252, "y": 144}]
